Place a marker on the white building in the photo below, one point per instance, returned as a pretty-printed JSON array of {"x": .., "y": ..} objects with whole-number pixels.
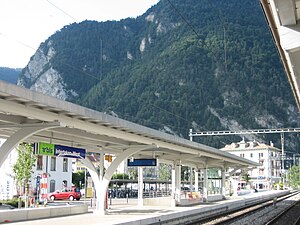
[
  {"x": 7, "y": 185},
  {"x": 266, "y": 175},
  {"x": 58, "y": 170}
]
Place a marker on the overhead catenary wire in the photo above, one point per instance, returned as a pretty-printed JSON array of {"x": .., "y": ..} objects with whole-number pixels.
[
  {"x": 184, "y": 19},
  {"x": 63, "y": 11}
]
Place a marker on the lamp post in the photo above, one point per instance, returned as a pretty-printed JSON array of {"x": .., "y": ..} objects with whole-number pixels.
[
  {"x": 282, "y": 157},
  {"x": 295, "y": 164},
  {"x": 299, "y": 171},
  {"x": 85, "y": 184}
]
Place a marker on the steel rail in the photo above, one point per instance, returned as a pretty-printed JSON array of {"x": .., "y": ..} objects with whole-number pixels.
[
  {"x": 227, "y": 218},
  {"x": 282, "y": 213}
]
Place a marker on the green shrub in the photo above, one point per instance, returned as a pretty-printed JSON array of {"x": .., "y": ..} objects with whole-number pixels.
[
  {"x": 13, "y": 202},
  {"x": 280, "y": 184}
]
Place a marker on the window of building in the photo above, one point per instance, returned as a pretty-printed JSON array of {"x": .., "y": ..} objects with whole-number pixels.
[
  {"x": 65, "y": 164},
  {"x": 52, "y": 185},
  {"x": 261, "y": 172},
  {"x": 242, "y": 155},
  {"x": 251, "y": 155},
  {"x": 64, "y": 184},
  {"x": 261, "y": 155},
  {"x": 53, "y": 164},
  {"x": 39, "y": 162}
]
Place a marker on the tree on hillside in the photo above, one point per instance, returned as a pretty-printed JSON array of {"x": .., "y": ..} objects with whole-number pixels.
[
  {"x": 294, "y": 177},
  {"x": 23, "y": 168}
]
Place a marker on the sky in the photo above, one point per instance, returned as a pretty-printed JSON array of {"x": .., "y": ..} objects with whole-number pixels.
[{"x": 25, "y": 24}]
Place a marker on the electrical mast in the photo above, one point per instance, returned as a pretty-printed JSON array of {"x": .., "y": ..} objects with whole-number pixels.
[{"x": 255, "y": 131}]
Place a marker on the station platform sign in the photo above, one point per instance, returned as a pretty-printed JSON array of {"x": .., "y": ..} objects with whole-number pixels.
[
  {"x": 142, "y": 162},
  {"x": 59, "y": 150}
]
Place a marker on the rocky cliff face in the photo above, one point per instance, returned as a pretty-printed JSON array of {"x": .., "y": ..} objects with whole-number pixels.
[{"x": 39, "y": 76}]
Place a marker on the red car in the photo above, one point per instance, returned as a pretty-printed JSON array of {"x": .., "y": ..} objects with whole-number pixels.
[{"x": 66, "y": 193}]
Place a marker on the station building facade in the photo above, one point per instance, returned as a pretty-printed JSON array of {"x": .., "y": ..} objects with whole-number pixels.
[
  {"x": 268, "y": 156},
  {"x": 56, "y": 170}
]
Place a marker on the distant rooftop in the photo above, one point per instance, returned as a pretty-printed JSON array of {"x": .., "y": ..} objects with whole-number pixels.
[{"x": 249, "y": 145}]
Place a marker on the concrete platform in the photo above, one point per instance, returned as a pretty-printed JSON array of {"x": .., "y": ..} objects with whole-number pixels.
[{"x": 125, "y": 213}]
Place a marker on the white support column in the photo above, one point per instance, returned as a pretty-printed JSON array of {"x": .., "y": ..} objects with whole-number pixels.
[
  {"x": 234, "y": 184},
  {"x": 140, "y": 186},
  {"x": 101, "y": 165},
  {"x": 178, "y": 181},
  {"x": 93, "y": 172},
  {"x": 191, "y": 178},
  {"x": 101, "y": 196},
  {"x": 205, "y": 190},
  {"x": 196, "y": 180},
  {"x": 223, "y": 182},
  {"x": 97, "y": 178},
  {"x": 173, "y": 187},
  {"x": 25, "y": 132}
]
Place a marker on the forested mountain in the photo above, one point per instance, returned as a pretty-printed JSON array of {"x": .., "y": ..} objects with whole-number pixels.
[
  {"x": 9, "y": 74},
  {"x": 200, "y": 64}
]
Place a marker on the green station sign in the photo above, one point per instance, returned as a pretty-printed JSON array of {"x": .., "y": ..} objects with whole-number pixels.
[
  {"x": 45, "y": 149},
  {"x": 59, "y": 150}
]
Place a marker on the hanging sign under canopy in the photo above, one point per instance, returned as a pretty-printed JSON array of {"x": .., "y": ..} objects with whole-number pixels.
[
  {"x": 59, "y": 150},
  {"x": 142, "y": 162}
]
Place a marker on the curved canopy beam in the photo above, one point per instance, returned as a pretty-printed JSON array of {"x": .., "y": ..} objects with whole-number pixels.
[
  {"x": 93, "y": 171},
  {"x": 26, "y": 131},
  {"x": 112, "y": 168}
]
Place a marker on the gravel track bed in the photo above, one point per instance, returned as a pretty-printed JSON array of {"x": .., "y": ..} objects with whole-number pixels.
[{"x": 264, "y": 215}]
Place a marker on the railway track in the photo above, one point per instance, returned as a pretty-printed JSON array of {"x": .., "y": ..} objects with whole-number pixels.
[
  {"x": 269, "y": 212},
  {"x": 291, "y": 215}
]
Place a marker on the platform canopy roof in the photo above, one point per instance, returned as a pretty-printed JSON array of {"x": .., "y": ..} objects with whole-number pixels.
[
  {"x": 283, "y": 18},
  {"x": 94, "y": 131}
]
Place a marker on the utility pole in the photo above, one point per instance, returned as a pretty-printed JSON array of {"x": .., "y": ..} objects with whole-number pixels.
[
  {"x": 282, "y": 153},
  {"x": 225, "y": 47},
  {"x": 191, "y": 136},
  {"x": 101, "y": 59}
]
